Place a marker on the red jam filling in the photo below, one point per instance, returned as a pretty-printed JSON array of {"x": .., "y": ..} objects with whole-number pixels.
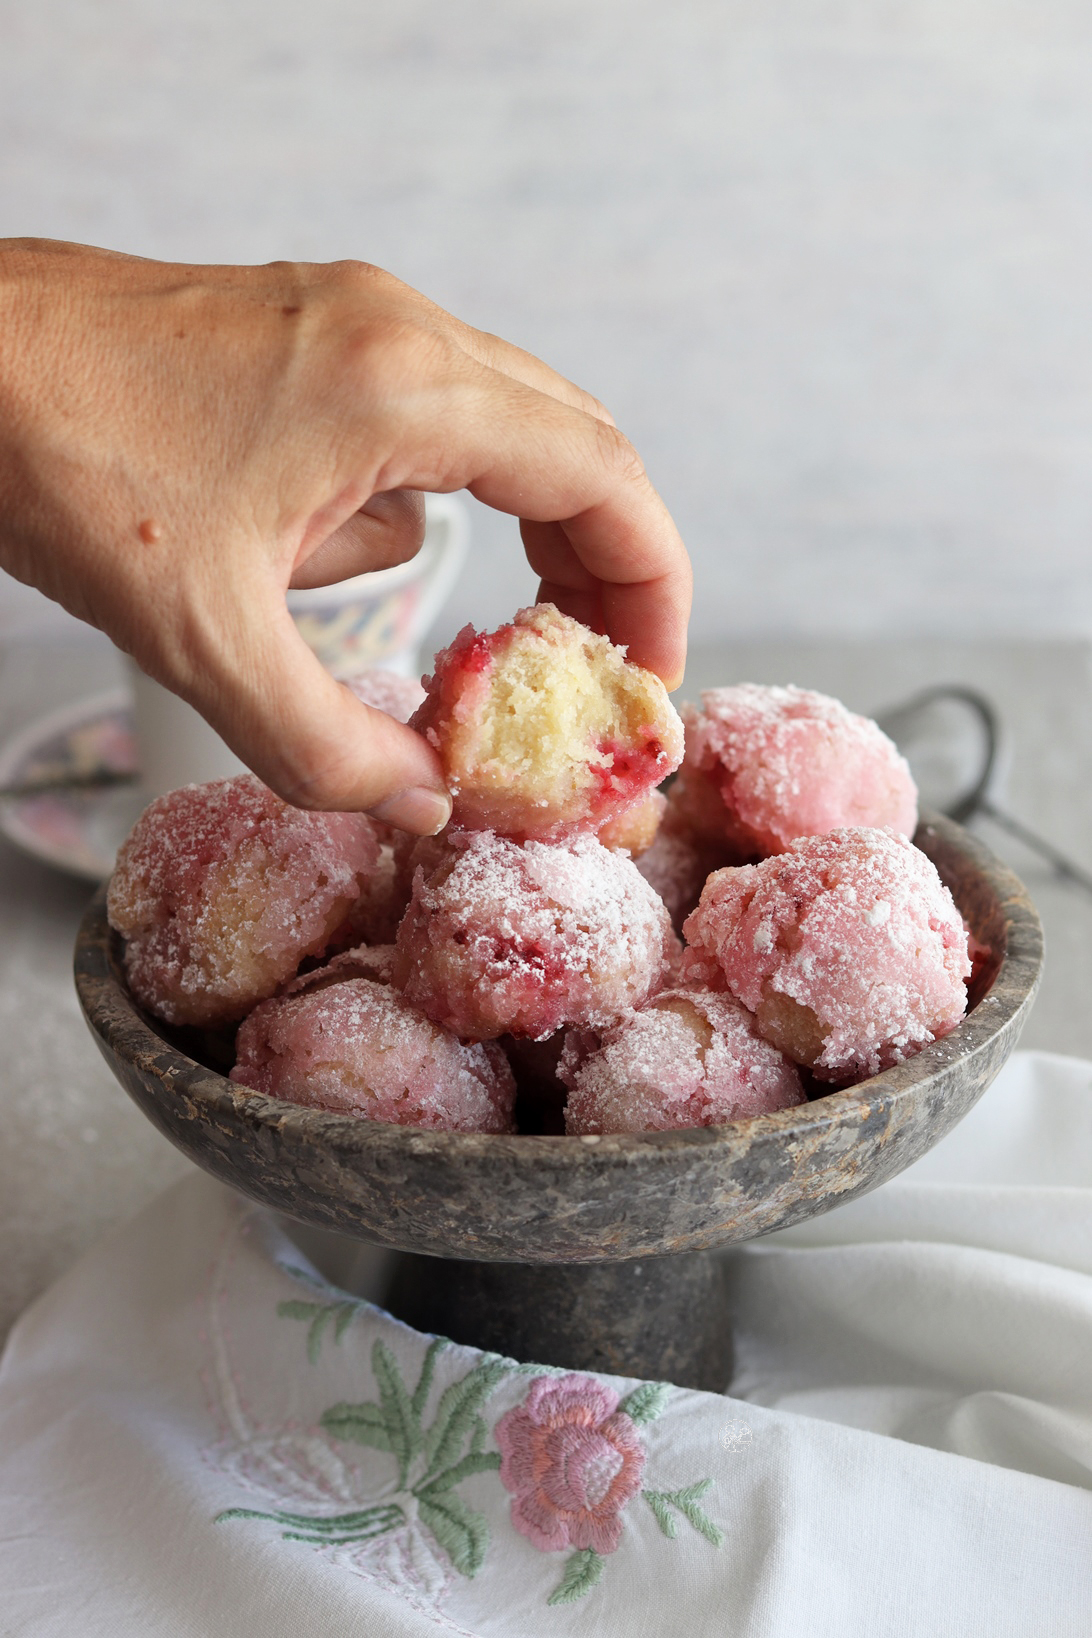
[
  {"x": 477, "y": 656},
  {"x": 629, "y": 771}
]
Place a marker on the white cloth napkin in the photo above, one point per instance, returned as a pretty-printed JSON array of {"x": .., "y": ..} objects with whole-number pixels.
[{"x": 200, "y": 1436}]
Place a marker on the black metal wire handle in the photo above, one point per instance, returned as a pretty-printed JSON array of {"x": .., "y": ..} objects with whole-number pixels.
[{"x": 976, "y": 798}]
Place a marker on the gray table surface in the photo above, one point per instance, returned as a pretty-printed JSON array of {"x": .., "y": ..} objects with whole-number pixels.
[{"x": 77, "y": 1157}]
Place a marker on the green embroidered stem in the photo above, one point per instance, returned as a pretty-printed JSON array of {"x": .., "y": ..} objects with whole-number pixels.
[
  {"x": 395, "y": 1424},
  {"x": 582, "y": 1571},
  {"x": 686, "y": 1502},
  {"x": 403, "y": 1427},
  {"x": 333, "y": 1531},
  {"x": 476, "y": 1461}
]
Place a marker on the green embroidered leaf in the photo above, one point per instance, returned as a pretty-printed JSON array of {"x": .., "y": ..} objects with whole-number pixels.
[
  {"x": 358, "y": 1526},
  {"x": 582, "y": 1571},
  {"x": 298, "y": 1310},
  {"x": 664, "y": 1516},
  {"x": 314, "y": 1335},
  {"x": 362, "y": 1424},
  {"x": 458, "y": 1411},
  {"x": 403, "y": 1428},
  {"x": 345, "y": 1312},
  {"x": 424, "y": 1381},
  {"x": 686, "y": 1501},
  {"x": 477, "y": 1461},
  {"x": 645, "y": 1403},
  {"x": 320, "y": 1314},
  {"x": 477, "y": 1438},
  {"x": 461, "y": 1532}
]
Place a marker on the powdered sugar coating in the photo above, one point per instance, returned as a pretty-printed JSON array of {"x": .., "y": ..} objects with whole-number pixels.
[
  {"x": 544, "y": 729},
  {"x": 520, "y": 938},
  {"x": 765, "y": 765},
  {"x": 848, "y": 949},
  {"x": 359, "y": 1048},
  {"x": 386, "y": 691},
  {"x": 688, "y": 1058},
  {"x": 222, "y": 889}
]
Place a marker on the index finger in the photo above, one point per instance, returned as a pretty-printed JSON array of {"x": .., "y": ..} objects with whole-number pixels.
[
  {"x": 546, "y": 462},
  {"x": 646, "y": 615}
]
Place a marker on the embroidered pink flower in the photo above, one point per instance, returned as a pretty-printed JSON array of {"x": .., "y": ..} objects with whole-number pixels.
[{"x": 572, "y": 1460}]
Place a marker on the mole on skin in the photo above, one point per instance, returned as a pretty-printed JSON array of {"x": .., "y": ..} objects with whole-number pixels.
[{"x": 149, "y": 531}]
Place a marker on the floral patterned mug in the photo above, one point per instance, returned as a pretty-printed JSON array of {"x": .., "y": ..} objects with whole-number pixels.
[{"x": 380, "y": 619}]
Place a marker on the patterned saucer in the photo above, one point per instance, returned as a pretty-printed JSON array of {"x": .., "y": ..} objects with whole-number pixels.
[{"x": 78, "y": 831}]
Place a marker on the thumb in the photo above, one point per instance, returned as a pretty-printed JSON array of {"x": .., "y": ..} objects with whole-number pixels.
[{"x": 309, "y": 738}]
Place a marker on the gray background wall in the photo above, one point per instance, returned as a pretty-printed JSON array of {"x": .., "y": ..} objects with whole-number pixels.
[{"x": 828, "y": 261}]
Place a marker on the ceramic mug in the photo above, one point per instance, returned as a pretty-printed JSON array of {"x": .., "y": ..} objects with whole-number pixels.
[
  {"x": 380, "y": 619},
  {"x": 377, "y": 619}
]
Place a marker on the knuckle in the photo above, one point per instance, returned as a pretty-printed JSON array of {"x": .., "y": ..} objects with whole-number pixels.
[
  {"x": 595, "y": 406},
  {"x": 619, "y": 457},
  {"x": 355, "y": 278},
  {"x": 395, "y": 353},
  {"x": 406, "y": 519},
  {"x": 390, "y": 528}
]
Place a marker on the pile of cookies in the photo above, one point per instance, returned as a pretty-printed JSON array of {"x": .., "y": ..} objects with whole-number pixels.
[{"x": 655, "y": 962}]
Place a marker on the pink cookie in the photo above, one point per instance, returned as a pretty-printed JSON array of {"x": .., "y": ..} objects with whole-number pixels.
[
  {"x": 376, "y": 918},
  {"x": 221, "y": 890},
  {"x": 520, "y": 938},
  {"x": 765, "y": 765},
  {"x": 847, "y": 948},
  {"x": 544, "y": 728},
  {"x": 386, "y": 691},
  {"x": 688, "y": 1058},
  {"x": 356, "y": 1047},
  {"x": 635, "y": 830}
]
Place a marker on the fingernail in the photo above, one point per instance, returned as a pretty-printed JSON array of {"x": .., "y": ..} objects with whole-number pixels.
[{"x": 422, "y": 811}]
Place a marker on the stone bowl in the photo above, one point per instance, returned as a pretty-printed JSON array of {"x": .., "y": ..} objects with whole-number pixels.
[{"x": 566, "y": 1201}]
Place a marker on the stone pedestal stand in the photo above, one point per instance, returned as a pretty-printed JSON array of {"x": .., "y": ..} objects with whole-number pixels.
[{"x": 662, "y": 1318}]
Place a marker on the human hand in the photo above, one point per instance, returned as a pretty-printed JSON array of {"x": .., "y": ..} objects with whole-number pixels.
[{"x": 181, "y": 445}]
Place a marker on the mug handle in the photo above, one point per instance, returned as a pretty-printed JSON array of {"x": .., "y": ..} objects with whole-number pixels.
[{"x": 448, "y": 521}]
